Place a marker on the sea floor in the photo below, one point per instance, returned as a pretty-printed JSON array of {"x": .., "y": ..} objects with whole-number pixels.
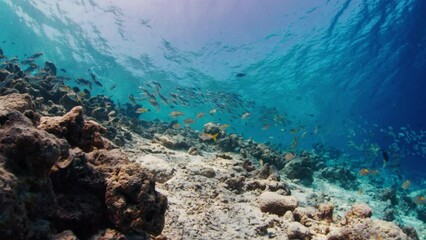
[{"x": 202, "y": 205}]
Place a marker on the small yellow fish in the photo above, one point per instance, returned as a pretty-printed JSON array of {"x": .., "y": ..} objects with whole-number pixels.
[
  {"x": 189, "y": 121},
  {"x": 366, "y": 171},
  {"x": 223, "y": 127},
  {"x": 141, "y": 110},
  {"x": 207, "y": 136},
  {"x": 245, "y": 115},
  {"x": 65, "y": 88},
  {"x": 176, "y": 126},
  {"x": 200, "y": 115},
  {"x": 419, "y": 200},
  {"x": 175, "y": 114},
  {"x": 406, "y": 184},
  {"x": 81, "y": 94}
]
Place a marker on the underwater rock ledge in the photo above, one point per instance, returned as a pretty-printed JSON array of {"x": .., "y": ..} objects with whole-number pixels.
[{"x": 62, "y": 175}]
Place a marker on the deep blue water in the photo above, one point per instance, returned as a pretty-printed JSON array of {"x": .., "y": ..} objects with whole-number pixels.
[{"x": 349, "y": 74}]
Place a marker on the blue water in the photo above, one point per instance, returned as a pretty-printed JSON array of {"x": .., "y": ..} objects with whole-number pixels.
[{"x": 349, "y": 74}]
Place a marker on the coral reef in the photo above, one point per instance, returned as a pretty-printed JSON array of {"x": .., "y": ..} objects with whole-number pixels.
[
  {"x": 77, "y": 166},
  {"x": 63, "y": 176}
]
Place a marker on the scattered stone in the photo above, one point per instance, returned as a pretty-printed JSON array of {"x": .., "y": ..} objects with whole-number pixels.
[
  {"x": 174, "y": 142},
  {"x": 275, "y": 203},
  {"x": 65, "y": 235},
  {"x": 270, "y": 185},
  {"x": 235, "y": 183},
  {"x": 193, "y": 151},
  {"x": 224, "y": 156},
  {"x": 207, "y": 172},
  {"x": 296, "y": 230},
  {"x": 388, "y": 230},
  {"x": 325, "y": 212},
  {"x": 304, "y": 215},
  {"x": 410, "y": 232},
  {"x": 161, "y": 169},
  {"x": 110, "y": 234},
  {"x": 360, "y": 210}
]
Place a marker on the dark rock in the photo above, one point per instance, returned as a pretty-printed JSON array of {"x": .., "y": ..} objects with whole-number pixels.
[
  {"x": 100, "y": 113},
  {"x": 207, "y": 172},
  {"x": 33, "y": 116},
  {"x": 132, "y": 202},
  {"x": 54, "y": 109},
  {"x": 213, "y": 128},
  {"x": 228, "y": 143},
  {"x": 27, "y": 199},
  {"x": 300, "y": 169},
  {"x": 388, "y": 194},
  {"x": 270, "y": 185},
  {"x": 296, "y": 230},
  {"x": 235, "y": 183},
  {"x": 224, "y": 156},
  {"x": 325, "y": 212},
  {"x": 3, "y": 74},
  {"x": 248, "y": 166},
  {"x": 411, "y": 232},
  {"x": 389, "y": 214},
  {"x": 70, "y": 100},
  {"x": 421, "y": 213},
  {"x": 341, "y": 176},
  {"x": 267, "y": 172},
  {"x": 26, "y": 149},
  {"x": 65, "y": 235},
  {"x": 193, "y": 151}
]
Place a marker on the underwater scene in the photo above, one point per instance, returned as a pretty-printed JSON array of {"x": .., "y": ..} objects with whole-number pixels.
[{"x": 213, "y": 119}]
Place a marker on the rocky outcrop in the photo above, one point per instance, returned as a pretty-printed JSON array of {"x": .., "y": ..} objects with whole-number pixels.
[
  {"x": 62, "y": 179},
  {"x": 78, "y": 132},
  {"x": 26, "y": 195}
]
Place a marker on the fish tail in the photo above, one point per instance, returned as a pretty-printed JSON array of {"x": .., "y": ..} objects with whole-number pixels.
[{"x": 214, "y": 137}]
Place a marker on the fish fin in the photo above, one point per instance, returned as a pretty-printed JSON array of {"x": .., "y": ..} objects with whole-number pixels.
[{"x": 214, "y": 137}]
